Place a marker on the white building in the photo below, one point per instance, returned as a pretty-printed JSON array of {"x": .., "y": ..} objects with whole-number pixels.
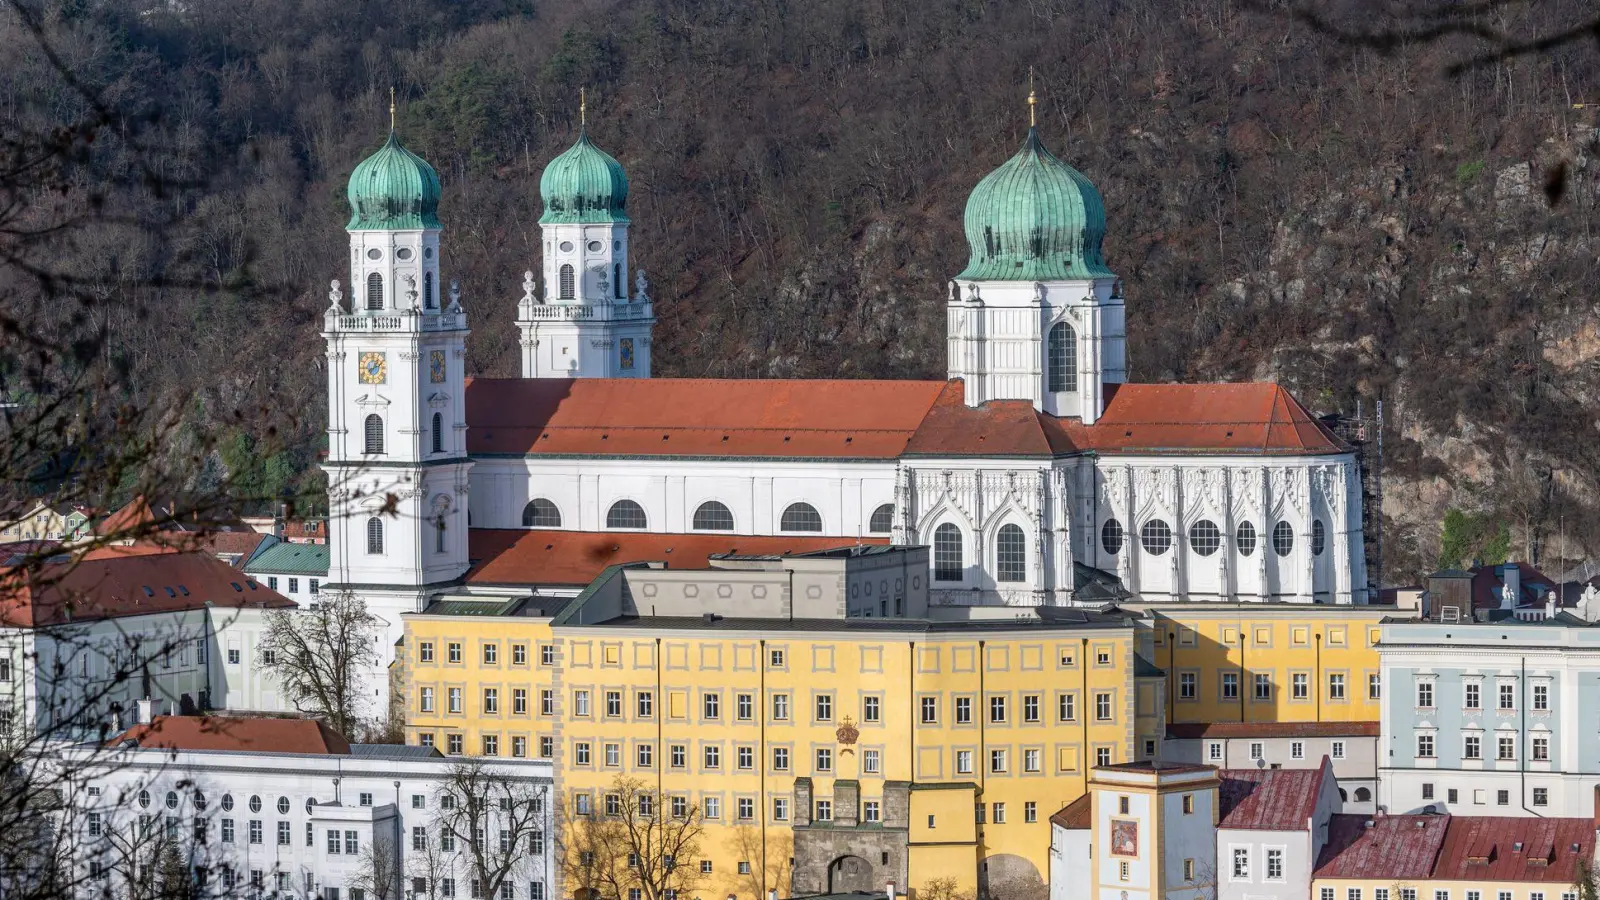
[
  {"x": 82, "y": 642},
  {"x": 1034, "y": 457},
  {"x": 288, "y": 808}
]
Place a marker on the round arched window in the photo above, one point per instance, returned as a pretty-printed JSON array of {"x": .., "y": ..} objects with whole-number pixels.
[
  {"x": 283, "y": 805},
  {"x": 1283, "y": 539},
  {"x": 172, "y": 799},
  {"x": 1245, "y": 537},
  {"x": 1156, "y": 536},
  {"x": 1111, "y": 537},
  {"x": 255, "y": 803},
  {"x": 626, "y": 514},
  {"x": 227, "y": 803},
  {"x": 882, "y": 519},
  {"x": 1363, "y": 795},
  {"x": 947, "y": 565},
  {"x": 1319, "y": 537},
  {"x": 712, "y": 516},
  {"x": 144, "y": 799},
  {"x": 1204, "y": 537},
  {"x": 541, "y": 513},
  {"x": 800, "y": 517},
  {"x": 1011, "y": 554}
]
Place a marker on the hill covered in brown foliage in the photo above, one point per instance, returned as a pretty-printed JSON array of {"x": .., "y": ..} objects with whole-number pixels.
[{"x": 1354, "y": 224}]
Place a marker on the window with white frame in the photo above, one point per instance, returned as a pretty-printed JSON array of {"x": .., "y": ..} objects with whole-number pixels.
[
  {"x": 1274, "y": 864},
  {"x": 1241, "y": 863}
]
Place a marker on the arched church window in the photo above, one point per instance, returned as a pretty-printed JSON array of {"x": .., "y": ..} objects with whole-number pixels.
[
  {"x": 616, "y": 278},
  {"x": 427, "y": 291},
  {"x": 438, "y": 433},
  {"x": 541, "y": 513},
  {"x": 1063, "y": 351},
  {"x": 438, "y": 535},
  {"x": 800, "y": 517},
  {"x": 947, "y": 553},
  {"x": 374, "y": 535},
  {"x": 374, "y": 291},
  {"x": 1245, "y": 537},
  {"x": 568, "y": 289},
  {"x": 626, "y": 514},
  {"x": 882, "y": 521},
  {"x": 1011, "y": 554},
  {"x": 712, "y": 516},
  {"x": 374, "y": 433},
  {"x": 1205, "y": 537},
  {"x": 1156, "y": 537},
  {"x": 1319, "y": 537},
  {"x": 1111, "y": 537},
  {"x": 1283, "y": 539}
]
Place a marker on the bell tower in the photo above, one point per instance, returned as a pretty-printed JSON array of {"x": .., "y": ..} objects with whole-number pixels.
[
  {"x": 586, "y": 322},
  {"x": 397, "y": 463}
]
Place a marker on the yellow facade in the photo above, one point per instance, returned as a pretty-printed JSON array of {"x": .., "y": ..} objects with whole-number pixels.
[
  {"x": 1252, "y": 662},
  {"x": 992, "y": 727}
]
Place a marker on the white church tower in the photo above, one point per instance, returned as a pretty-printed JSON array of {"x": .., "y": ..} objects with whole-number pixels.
[
  {"x": 1036, "y": 315},
  {"x": 397, "y": 457},
  {"x": 585, "y": 323}
]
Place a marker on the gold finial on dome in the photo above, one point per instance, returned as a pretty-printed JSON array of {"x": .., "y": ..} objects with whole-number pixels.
[
  {"x": 391, "y": 108},
  {"x": 583, "y": 108},
  {"x": 1032, "y": 100}
]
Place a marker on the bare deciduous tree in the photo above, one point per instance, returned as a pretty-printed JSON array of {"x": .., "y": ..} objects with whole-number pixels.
[
  {"x": 380, "y": 873},
  {"x": 498, "y": 821},
  {"x": 635, "y": 840},
  {"x": 771, "y": 866},
  {"x": 322, "y": 656}
]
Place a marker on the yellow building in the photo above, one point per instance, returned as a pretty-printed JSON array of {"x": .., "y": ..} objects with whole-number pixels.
[
  {"x": 867, "y": 749},
  {"x": 1266, "y": 662}
]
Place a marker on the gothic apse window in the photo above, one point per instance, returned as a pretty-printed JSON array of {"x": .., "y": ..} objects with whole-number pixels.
[
  {"x": 947, "y": 553},
  {"x": 882, "y": 521},
  {"x": 1319, "y": 537},
  {"x": 626, "y": 514},
  {"x": 1011, "y": 554},
  {"x": 712, "y": 516},
  {"x": 1245, "y": 537},
  {"x": 541, "y": 513},
  {"x": 1204, "y": 537},
  {"x": 800, "y": 517},
  {"x": 1156, "y": 536},
  {"x": 1283, "y": 539}
]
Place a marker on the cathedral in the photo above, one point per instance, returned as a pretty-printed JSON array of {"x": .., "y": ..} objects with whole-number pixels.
[{"x": 1035, "y": 469}]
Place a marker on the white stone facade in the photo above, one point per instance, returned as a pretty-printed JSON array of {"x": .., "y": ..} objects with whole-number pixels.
[{"x": 587, "y": 323}]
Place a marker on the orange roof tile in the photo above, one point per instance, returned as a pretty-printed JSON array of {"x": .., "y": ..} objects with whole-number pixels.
[
  {"x": 260, "y": 735},
  {"x": 1251, "y": 418},
  {"x": 696, "y": 417},
  {"x": 112, "y": 582},
  {"x": 515, "y": 556},
  {"x": 997, "y": 428}
]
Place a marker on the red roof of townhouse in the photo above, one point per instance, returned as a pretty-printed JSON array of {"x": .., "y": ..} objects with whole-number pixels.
[
  {"x": 1271, "y": 799},
  {"x": 115, "y": 582},
  {"x": 260, "y": 735},
  {"x": 1223, "y": 730},
  {"x": 519, "y": 556}
]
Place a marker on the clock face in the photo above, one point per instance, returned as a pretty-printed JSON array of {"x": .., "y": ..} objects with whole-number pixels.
[
  {"x": 374, "y": 370},
  {"x": 436, "y": 367}
]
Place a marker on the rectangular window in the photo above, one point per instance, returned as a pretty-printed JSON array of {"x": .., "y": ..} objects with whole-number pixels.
[
  {"x": 453, "y": 652},
  {"x": 1502, "y": 798},
  {"x": 775, "y": 659},
  {"x": 255, "y": 831},
  {"x": 455, "y": 700},
  {"x": 1301, "y": 685},
  {"x": 425, "y": 651},
  {"x": 1257, "y": 750},
  {"x": 547, "y": 654},
  {"x": 1030, "y": 812},
  {"x": 1508, "y": 696},
  {"x": 747, "y": 809},
  {"x": 1214, "y": 751},
  {"x": 1541, "y": 698},
  {"x": 871, "y": 762},
  {"x": 1427, "y": 790},
  {"x": 1473, "y": 698},
  {"x": 1102, "y": 706},
  {"x": 997, "y": 710},
  {"x": 580, "y": 753},
  {"x": 1352, "y": 894},
  {"x": 285, "y": 834},
  {"x": 614, "y": 704},
  {"x": 780, "y": 707},
  {"x": 824, "y": 708},
  {"x": 272, "y": 582},
  {"x": 1297, "y": 750},
  {"x": 997, "y": 761},
  {"x": 1472, "y": 747},
  {"x": 1541, "y": 749},
  {"x": 1241, "y": 863},
  {"x": 1507, "y": 747},
  {"x": 1186, "y": 686},
  {"x": 491, "y": 745},
  {"x": 1030, "y": 708},
  {"x": 1425, "y": 746},
  {"x": 870, "y": 710},
  {"x": 1263, "y": 687},
  {"x": 711, "y": 757},
  {"x": 824, "y": 760},
  {"x": 1031, "y": 760},
  {"x": 1102, "y": 756},
  {"x": 519, "y": 746},
  {"x": 1335, "y": 686},
  {"x": 1067, "y": 708},
  {"x": 999, "y": 814},
  {"x": 711, "y": 706},
  {"x": 1230, "y": 685},
  {"x": 780, "y": 759},
  {"x": 780, "y": 809},
  {"x": 547, "y": 747},
  {"x": 963, "y": 762},
  {"x": 747, "y": 757},
  {"x": 963, "y": 710},
  {"x": 519, "y": 654},
  {"x": 425, "y": 700},
  {"x": 491, "y": 654},
  {"x": 491, "y": 701},
  {"x": 519, "y": 701},
  {"x": 1374, "y": 686},
  {"x": 930, "y": 710},
  {"x": 580, "y": 703},
  {"x": 1336, "y": 749},
  {"x": 744, "y": 705},
  {"x": 1541, "y": 796},
  {"x": 352, "y": 843},
  {"x": 453, "y": 744},
  {"x": 824, "y": 811},
  {"x": 1425, "y": 695},
  {"x": 1274, "y": 864},
  {"x": 871, "y": 811}
]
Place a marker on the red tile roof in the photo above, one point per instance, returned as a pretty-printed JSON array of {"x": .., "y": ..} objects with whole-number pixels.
[
  {"x": 113, "y": 582},
  {"x": 696, "y": 416},
  {"x": 1484, "y": 848},
  {"x": 1075, "y": 816},
  {"x": 1194, "y": 730},
  {"x": 261, "y": 735},
  {"x": 1271, "y": 799},
  {"x": 840, "y": 419},
  {"x": 517, "y": 556},
  {"x": 1395, "y": 847}
]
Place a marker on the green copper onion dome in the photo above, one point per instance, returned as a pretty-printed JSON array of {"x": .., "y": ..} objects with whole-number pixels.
[
  {"x": 393, "y": 189},
  {"x": 1035, "y": 219},
  {"x": 584, "y": 185}
]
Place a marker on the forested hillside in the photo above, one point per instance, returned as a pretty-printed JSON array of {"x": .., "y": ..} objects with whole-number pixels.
[{"x": 1282, "y": 205}]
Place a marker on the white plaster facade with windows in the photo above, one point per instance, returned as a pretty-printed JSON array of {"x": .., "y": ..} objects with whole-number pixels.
[{"x": 279, "y": 823}]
